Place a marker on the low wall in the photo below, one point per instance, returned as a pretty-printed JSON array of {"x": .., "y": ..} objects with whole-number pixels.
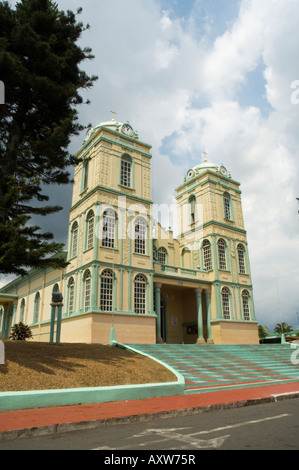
[{"x": 49, "y": 398}]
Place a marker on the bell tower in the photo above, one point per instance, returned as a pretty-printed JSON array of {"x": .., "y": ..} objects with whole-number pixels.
[
  {"x": 109, "y": 248},
  {"x": 212, "y": 228}
]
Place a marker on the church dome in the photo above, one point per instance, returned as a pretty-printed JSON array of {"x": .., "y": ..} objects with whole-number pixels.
[
  {"x": 124, "y": 128},
  {"x": 207, "y": 166}
]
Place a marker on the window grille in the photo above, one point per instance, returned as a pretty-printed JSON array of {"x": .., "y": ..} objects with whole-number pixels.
[
  {"x": 36, "y": 308},
  {"x": 241, "y": 259},
  {"x": 22, "y": 311},
  {"x": 245, "y": 301},
  {"x": 140, "y": 235},
  {"x": 71, "y": 295},
  {"x": 86, "y": 171},
  {"x": 74, "y": 240},
  {"x": 221, "y": 254},
  {"x": 106, "y": 295},
  {"x": 139, "y": 294},
  {"x": 90, "y": 229},
  {"x": 125, "y": 171},
  {"x": 87, "y": 293},
  {"x": 207, "y": 255},
  {"x": 225, "y": 303},
  {"x": 108, "y": 235},
  {"x": 162, "y": 254},
  {"x": 227, "y": 209},
  {"x": 192, "y": 201}
]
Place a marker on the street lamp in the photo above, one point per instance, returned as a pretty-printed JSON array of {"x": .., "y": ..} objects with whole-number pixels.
[{"x": 57, "y": 302}]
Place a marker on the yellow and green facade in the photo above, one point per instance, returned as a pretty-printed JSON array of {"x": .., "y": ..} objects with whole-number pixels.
[{"x": 129, "y": 275}]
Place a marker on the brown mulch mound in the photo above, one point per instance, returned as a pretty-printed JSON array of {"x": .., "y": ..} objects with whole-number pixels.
[{"x": 41, "y": 366}]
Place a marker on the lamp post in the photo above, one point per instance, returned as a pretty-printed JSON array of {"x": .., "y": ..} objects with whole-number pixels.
[{"x": 57, "y": 302}]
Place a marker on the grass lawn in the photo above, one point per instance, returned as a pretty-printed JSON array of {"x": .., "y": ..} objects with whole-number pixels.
[{"x": 41, "y": 366}]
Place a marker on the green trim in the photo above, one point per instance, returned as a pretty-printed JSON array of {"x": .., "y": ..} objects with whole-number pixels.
[
  {"x": 111, "y": 191},
  {"x": 182, "y": 279},
  {"x": 196, "y": 183},
  {"x": 10, "y": 401},
  {"x": 250, "y": 322},
  {"x": 92, "y": 143},
  {"x": 121, "y": 283},
  {"x": 214, "y": 222}
]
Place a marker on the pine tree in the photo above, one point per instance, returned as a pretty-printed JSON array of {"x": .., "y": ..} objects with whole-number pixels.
[{"x": 39, "y": 66}]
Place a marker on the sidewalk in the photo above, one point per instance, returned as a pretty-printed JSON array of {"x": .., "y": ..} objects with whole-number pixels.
[{"x": 49, "y": 421}]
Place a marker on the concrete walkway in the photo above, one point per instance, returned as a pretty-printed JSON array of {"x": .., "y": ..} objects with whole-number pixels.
[{"x": 242, "y": 376}]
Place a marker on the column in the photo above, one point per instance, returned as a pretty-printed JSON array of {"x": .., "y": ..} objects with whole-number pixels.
[
  {"x": 200, "y": 338},
  {"x": 94, "y": 285},
  {"x": 158, "y": 286},
  {"x": 97, "y": 233},
  {"x": 14, "y": 314},
  {"x": 208, "y": 306},
  {"x": 52, "y": 324},
  {"x": 4, "y": 316}
]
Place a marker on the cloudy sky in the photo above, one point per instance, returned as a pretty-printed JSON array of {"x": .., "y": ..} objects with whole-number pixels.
[{"x": 219, "y": 75}]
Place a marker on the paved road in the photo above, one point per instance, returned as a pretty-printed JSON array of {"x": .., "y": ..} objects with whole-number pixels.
[{"x": 271, "y": 426}]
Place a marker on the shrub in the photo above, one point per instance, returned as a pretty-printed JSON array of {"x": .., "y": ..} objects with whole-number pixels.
[{"x": 20, "y": 332}]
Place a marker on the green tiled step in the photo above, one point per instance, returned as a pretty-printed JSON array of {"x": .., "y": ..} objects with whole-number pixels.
[{"x": 218, "y": 367}]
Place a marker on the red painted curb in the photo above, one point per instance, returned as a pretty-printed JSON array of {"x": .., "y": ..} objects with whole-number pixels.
[{"x": 35, "y": 418}]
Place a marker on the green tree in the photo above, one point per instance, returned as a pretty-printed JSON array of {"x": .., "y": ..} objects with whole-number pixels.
[
  {"x": 263, "y": 332},
  {"x": 39, "y": 65},
  {"x": 20, "y": 332},
  {"x": 282, "y": 328}
]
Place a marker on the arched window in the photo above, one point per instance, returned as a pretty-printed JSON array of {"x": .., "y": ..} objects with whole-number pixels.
[
  {"x": 22, "y": 311},
  {"x": 227, "y": 206},
  {"x": 36, "y": 311},
  {"x": 155, "y": 254},
  {"x": 162, "y": 255},
  {"x": 74, "y": 239},
  {"x": 90, "y": 229},
  {"x": 108, "y": 233},
  {"x": 192, "y": 202},
  {"x": 140, "y": 235},
  {"x": 207, "y": 258},
  {"x": 221, "y": 254},
  {"x": 225, "y": 294},
  {"x": 245, "y": 304},
  {"x": 241, "y": 258},
  {"x": 106, "y": 293},
  {"x": 87, "y": 290},
  {"x": 140, "y": 294},
  {"x": 1, "y": 317},
  {"x": 55, "y": 288},
  {"x": 85, "y": 174},
  {"x": 125, "y": 171},
  {"x": 71, "y": 296}
]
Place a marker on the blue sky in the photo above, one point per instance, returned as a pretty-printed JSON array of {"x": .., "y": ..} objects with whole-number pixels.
[{"x": 191, "y": 75}]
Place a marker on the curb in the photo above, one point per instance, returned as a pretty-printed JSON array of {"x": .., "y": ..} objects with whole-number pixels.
[
  {"x": 12, "y": 401},
  {"x": 61, "y": 428}
]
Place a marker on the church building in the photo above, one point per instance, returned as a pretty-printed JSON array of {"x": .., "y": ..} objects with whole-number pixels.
[{"x": 126, "y": 273}]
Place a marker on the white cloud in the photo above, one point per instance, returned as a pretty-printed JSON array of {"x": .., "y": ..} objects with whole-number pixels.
[{"x": 175, "y": 86}]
